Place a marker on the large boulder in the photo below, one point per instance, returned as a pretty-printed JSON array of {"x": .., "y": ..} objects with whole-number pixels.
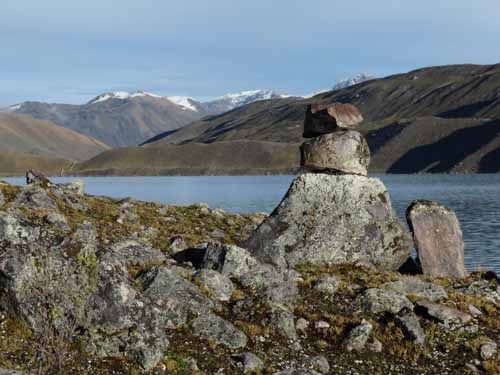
[
  {"x": 332, "y": 219},
  {"x": 342, "y": 151},
  {"x": 326, "y": 118},
  {"x": 438, "y": 239}
]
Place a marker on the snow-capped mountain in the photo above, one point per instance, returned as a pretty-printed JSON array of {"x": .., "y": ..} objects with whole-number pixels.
[
  {"x": 231, "y": 101},
  {"x": 122, "y": 95},
  {"x": 122, "y": 119},
  {"x": 347, "y": 82}
]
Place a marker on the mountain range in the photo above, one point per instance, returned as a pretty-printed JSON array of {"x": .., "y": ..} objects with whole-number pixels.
[
  {"x": 437, "y": 119},
  {"x": 121, "y": 119}
]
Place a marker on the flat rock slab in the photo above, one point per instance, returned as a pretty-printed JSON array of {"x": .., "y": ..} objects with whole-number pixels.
[
  {"x": 443, "y": 313},
  {"x": 332, "y": 219},
  {"x": 343, "y": 151},
  {"x": 418, "y": 288},
  {"x": 326, "y": 118},
  {"x": 438, "y": 239}
]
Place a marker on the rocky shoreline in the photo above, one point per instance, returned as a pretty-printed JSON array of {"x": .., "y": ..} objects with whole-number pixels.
[
  {"x": 94, "y": 285},
  {"x": 325, "y": 284}
]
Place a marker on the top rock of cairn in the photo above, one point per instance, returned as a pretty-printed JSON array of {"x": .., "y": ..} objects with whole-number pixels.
[{"x": 327, "y": 118}]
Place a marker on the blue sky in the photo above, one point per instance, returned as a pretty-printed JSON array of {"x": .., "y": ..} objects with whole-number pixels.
[{"x": 72, "y": 50}]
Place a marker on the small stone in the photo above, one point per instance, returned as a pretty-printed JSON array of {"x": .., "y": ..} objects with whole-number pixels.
[
  {"x": 318, "y": 363},
  {"x": 374, "y": 346},
  {"x": 411, "y": 326},
  {"x": 249, "y": 362},
  {"x": 283, "y": 321},
  {"x": 10, "y": 372},
  {"x": 218, "y": 285},
  {"x": 327, "y": 284},
  {"x": 475, "y": 311},
  {"x": 443, "y": 313},
  {"x": 36, "y": 178},
  {"x": 438, "y": 239},
  {"x": 378, "y": 301},
  {"x": 177, "y": 244},
  {"x": 326, "y": 118},
  {"x": 302, "y": 325},
  {"x": 210, "y": 326},
  {"x": 358, "y": 337},
  {"x": 322, "y": 325},
  {"x": 488, "y": 350}
]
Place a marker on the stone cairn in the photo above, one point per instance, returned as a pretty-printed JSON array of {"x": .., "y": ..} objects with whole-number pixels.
[{"x": 333, "y": 213}]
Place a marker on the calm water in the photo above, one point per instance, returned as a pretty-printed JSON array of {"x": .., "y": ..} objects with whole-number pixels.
[{"x": 475, "y": 199}]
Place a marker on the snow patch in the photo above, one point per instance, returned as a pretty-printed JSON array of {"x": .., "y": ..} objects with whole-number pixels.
[
  {"x": 122, "y": 95},
  {"x": 183, "y": 101}
]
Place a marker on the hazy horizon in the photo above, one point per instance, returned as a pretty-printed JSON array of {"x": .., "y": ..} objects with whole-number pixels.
[{"x": 60, "y": 52}]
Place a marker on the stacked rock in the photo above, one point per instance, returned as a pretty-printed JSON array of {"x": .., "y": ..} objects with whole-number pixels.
[
  {"x": 334, "y": 146},
  {"x": 333, "y": 213}
]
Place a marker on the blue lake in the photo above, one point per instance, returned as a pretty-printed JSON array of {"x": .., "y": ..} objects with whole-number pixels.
[{"x": 475, "y": 199}]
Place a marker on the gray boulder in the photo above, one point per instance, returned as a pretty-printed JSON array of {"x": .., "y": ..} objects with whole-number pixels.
[
  {"x": 2, "y": 199},
  {"x": 418, "y": 288},
  {"x": 342, "y": 151},
  {"x": 331, "y": 219},
  {"x": 36, "y": 178},
  {"x": 210, "y": 326},
  {"x": 358, "y": 337},
  {"x": 438, "y": 239},
  {"x": 326, "y": 118},
  {"x": 410, "y": 325},
  {"x": 216, "y": 284},
  {"x": 379, "y": 301},
  {"x": 318, "y": 363},
  {"x": 230, "y": 260},
  {"x": 34, "y": 197}
]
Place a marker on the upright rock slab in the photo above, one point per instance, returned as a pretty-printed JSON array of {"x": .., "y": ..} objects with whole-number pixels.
[
  {"x": 438, "y": 239},
  {"x": 331, "y": 219},
  {"x": 342, "y": 151},
  {"x": 326, "y": 118}
]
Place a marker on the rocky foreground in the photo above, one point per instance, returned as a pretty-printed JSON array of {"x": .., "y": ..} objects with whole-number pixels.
[{"x": 94, "y": 285}]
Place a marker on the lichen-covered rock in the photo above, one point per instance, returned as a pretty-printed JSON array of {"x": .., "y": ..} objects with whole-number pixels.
[
  {"x": 358, "y": 337},
  {"x": 379, "y": 301},
  {"x": 410, "y": 325},
  {"x": 36, "y": 178},
  {"x": 418, "y": 288},
  {"x": 230, "y": 260},
  {"x": 218, "y": 285},
  {"x": 438, "y": 239},
  {"x": 342, "y": 151},
  {"x": 326, "y": 118},
  {"x": 2, "y": 198},
  {"x": 327, "y": 284},
  {"x": 249, "y": 363},
  {"x": 213, "y": 327},
  {"x": 442, "y": 313},
  {"x": 329, "y": 219},
  {"x": 35, "y": 197},
  {"x": 318, "y": 363}
]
